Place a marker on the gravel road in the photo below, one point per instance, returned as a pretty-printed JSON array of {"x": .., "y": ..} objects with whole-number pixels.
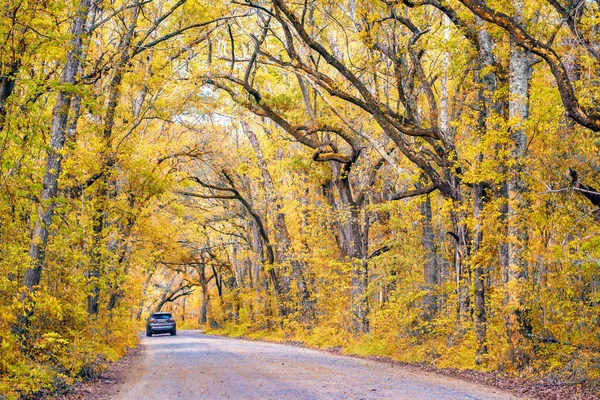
[{"x": 196, "y": 366}]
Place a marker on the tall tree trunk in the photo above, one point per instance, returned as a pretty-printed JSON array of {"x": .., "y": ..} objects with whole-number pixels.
[
  {"x": 184, "y": 303},
  {"x": 204, "y": 303},
  {"x": 518, "y": 113},
  {"x": 97, "y": 259},
  {"x": 352, "y": 242},
  {"x": 60, "y": 114},
  {"x": 441, "y": 263},
  {"x": 430, "y": 267},
  {"x": 492, "y": 110},
  {"x": 259, "y": 256},
  {"x": 480, "y": 317},
  {"x": 461, "y": 266},
  {"x": 260, "y": 237},
  {"x": 338, "y": 232}
]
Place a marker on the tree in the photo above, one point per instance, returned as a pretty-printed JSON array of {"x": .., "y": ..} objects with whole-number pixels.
[{"x": 54, "y": 158}]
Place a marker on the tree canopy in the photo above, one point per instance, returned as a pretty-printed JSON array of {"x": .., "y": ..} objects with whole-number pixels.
[{"x": 415, "y": 179}]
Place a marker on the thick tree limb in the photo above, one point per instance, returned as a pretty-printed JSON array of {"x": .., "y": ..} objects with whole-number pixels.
[
  {"x": 140, "y": 47},
  {"x": 76, "y": 190},
  {"x": 206, "y": 196},
  {"x": 379, "y": 252},
  {"x": 172, "y": 295},
  {"x": 413, "y": 193},
  {"x": 589, "y": 192}
]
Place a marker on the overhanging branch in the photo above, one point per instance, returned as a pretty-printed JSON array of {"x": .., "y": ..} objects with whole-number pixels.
[{"x": 412, "y": 193}]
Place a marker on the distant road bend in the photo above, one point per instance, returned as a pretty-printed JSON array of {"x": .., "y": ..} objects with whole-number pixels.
[{"x": 196, "y": 366}]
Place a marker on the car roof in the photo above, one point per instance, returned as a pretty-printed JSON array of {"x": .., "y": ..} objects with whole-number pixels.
[{"x": 161, "y": 313}]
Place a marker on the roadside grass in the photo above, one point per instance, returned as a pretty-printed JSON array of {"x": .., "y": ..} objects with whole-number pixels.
[
  {"x": 191, "y": 325},
  {"x": 230, "y": 330},
  {"x": 370, "y": 345}
]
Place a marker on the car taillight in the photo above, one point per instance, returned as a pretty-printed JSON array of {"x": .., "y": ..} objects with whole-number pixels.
[
  {"x": 152, "y": 320},
  {"x": 171, "y": 319}
]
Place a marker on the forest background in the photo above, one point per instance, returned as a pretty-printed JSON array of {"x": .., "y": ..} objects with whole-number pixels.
[{"x": 411, "y": 179}]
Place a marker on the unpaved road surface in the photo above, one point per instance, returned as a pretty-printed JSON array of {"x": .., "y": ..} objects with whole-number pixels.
[{"x": 196, "y": 366}]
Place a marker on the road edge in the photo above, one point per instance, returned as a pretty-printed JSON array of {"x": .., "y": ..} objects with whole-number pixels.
[{"x": 542, "y": 389}]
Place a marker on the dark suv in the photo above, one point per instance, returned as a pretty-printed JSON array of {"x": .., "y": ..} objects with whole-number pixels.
[{"x": 161, "y": 322}]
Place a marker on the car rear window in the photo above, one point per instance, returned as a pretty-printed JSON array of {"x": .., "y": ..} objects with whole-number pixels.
[{"x": 161, "y": 316}]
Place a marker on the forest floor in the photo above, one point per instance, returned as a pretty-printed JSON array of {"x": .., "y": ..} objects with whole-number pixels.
[{"x": 193, "y": 365}]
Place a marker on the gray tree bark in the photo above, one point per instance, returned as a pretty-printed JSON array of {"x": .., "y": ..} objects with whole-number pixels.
[
  {"x": 60, "y": 114},
  {"x": 205, "y": 302},
  {"x": 520, "y": 70},
  {"x": 430, "y": 267},
  {"x": 351, "y": 239},
  {"x": 480, "y": 311},
  {"x": 492, "y": 109}
]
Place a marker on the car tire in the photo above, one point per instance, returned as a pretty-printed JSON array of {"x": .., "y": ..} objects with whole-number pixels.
[
  {"x": 173, "y": 333},
  {"x": 148, "y": 333}
]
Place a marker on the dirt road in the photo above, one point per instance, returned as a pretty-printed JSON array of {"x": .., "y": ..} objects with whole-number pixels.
[{"x": 196, "y": 366}]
